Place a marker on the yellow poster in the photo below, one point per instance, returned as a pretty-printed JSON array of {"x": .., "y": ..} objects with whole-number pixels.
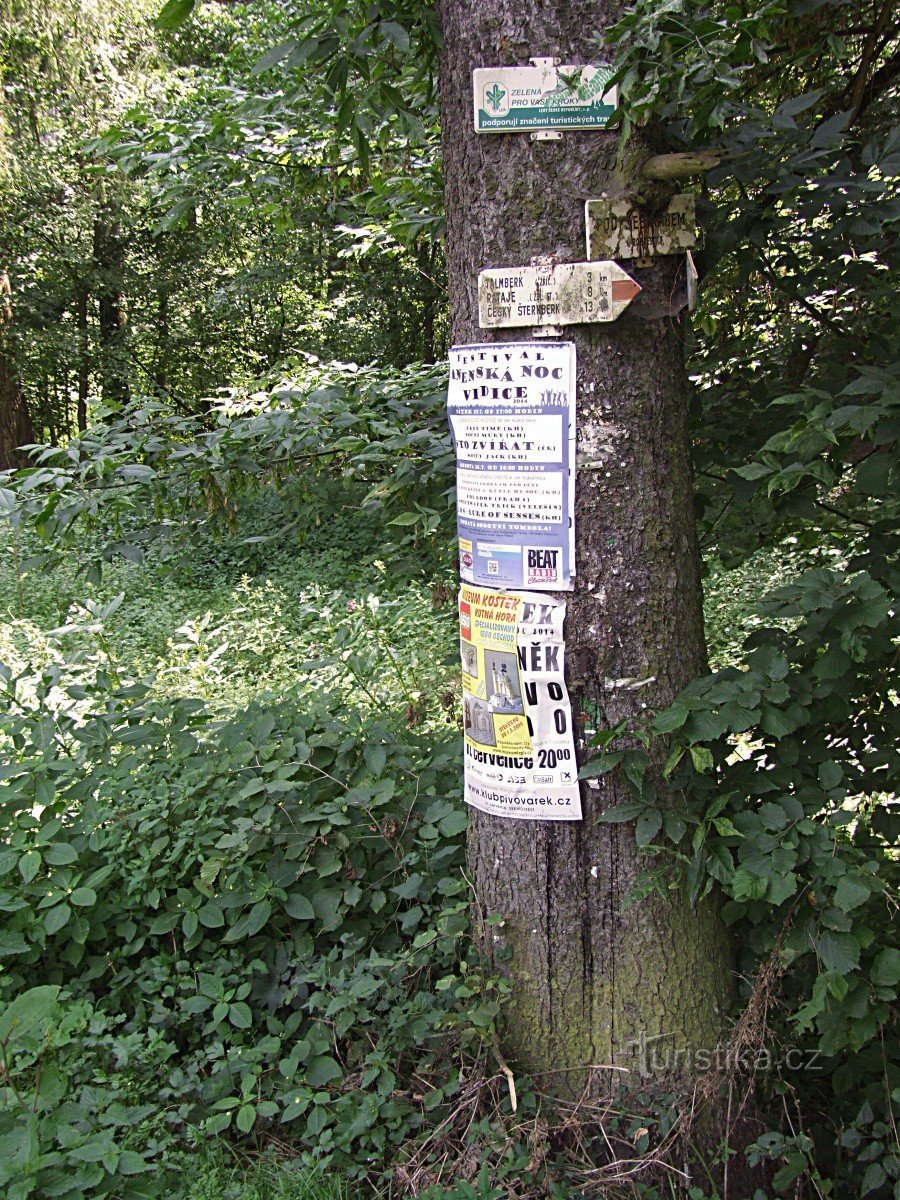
[{"x": 519, "y": 747}]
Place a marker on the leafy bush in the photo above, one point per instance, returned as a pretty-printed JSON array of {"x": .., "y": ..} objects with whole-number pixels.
[
  {"x": 65, "y": 1130},
  {"x": 214, "y": 1173},
  {"x": 247, "y": 923},
  {"x": 150, "y": 479},
  {"x": 777, "y": 793}
]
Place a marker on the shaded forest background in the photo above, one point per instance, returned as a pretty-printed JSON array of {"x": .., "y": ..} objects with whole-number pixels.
[{"x": 227, "y": 559}]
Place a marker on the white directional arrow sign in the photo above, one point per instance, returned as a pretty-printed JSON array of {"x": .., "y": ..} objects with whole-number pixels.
[{"x": 560, "y": 294}]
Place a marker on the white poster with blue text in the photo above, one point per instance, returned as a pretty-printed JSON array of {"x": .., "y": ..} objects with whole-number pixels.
[{"x": 511, "y": 407}]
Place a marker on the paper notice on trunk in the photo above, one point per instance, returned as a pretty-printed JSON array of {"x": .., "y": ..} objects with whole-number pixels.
[
  {"x": 511, "y": 407},
  {"x": 519, "y": 747}
]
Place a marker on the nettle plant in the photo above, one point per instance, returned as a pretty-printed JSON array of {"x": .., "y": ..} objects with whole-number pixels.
[
  {"x": 58, "y": 1139},
  {"x": 240, "y": 923},
  {"x": 150, "y": 478},
  {"x": 775, "y": 793}
]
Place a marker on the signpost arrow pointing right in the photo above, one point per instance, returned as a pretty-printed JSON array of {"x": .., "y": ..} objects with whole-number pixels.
[{"x": 555, "y": 294}]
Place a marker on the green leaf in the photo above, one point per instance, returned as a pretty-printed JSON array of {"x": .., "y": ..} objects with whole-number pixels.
[
  {"x": 874, "y": 1178},
  {"x": 240, "y": 1015},
  {"x": 775, "y": 723},
  {"x": 675, "y": 755},
  {"x": 60, "y": 854},
  {"x": 174, "y": 13},
  {"x": 246, "y": 1118},
  {"x": 601, "y": 765},
  {"x": 454, "y": 823},
  {"x": 131, "y": 1163},
  {"x": 84, "y": 897},
  {"x": 839, "y": 952},
  {"x": 648, "y": 826},
  {"x": 702, "y": 758},
  {"x": 52, "y": 1086},
  {"x": 670, "y": 718},
  {"x": 29, "y": 865},
  {"x": 830, "y": 775},
  {"x": 11, "y": 943},
  {"x": 56, "y": 917},
  {"x": 873, "y": 475},
  {"x": 294, "y": 1107},
  {"x": 753, "y": 471},
  {"x": 830, "y": 132},
  {"x": 746, "y": 886},
  {"x": 321, "y": 1070},
  {"x": 395, "y": 34},
  {"x": 274, "y": 56},
  {"x": 674, "y": 826},
  {"x": 29, "y": 1011},
  {"x": 251, "y": 923},
  {"x": 376, "y": 759},
  {"x": 725, "y": 827},
  {"x": 299, "y": 908},
  {"x": 211, "y": 916},
  {"x": 850, "y": 893},
  {"x": 92, "y": 1151},
  {"x": 781, "y": 887},
  {"x": 886, "y": 968},
  {"x": 621, "y": 812},
  {"x": 773, "y": 816},
  {"x": 327, "y": 903}
]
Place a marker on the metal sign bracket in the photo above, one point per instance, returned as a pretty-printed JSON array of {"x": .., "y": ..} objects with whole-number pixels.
[{"x": 545, "y": 135}]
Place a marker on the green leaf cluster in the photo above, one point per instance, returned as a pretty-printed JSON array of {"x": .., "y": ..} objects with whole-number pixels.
[{"x": 238, "y": 924}]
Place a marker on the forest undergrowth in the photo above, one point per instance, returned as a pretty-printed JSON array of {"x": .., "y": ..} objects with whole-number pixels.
[{"x": 206, "y": 958}]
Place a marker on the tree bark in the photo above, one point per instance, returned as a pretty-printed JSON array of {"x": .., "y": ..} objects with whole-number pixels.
[
  {"x": 16, "y": 428},
  {"x": 591, "y": 978}
]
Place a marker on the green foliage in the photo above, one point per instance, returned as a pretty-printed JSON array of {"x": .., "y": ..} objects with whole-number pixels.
[
  {"x": 60, "y": 1140},
  {"x": 251, "y": 912},
  {"x": 776, "y": 792},
  {"x": 771, "y": 781},
  {"x": 261, "y": 924},
  {"x": 384, "y": 429},
  {"x": 179, "y": 217},
  {"x": 216, "y": 1174}
]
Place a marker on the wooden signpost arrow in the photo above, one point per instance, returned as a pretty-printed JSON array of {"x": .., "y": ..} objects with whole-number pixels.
[{"x": 553, "y": 294}]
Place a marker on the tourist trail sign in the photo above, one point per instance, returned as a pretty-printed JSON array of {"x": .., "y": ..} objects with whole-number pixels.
[
  {"x": 542, "y": 96},
  {"x": 617, "y": 229},
  {"x": 556, "y": 294}
]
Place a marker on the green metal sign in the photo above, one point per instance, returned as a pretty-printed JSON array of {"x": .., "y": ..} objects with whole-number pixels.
[{"x": 542, "y": 96}]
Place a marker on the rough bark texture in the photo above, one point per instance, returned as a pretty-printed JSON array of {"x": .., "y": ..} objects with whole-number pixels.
[{"x": 591, "y": 979}]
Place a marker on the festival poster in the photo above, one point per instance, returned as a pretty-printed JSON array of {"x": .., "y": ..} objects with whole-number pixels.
[
  {"x": 519, "y": 745},
  {"x": 511, "y": 407}
]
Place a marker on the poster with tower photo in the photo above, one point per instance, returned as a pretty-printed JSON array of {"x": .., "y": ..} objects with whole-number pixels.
[{"x": 519, "y": 747}]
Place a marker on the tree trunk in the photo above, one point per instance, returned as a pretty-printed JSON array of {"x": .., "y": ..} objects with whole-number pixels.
[
  {"x": 84, "y": 360},
  {"x": 163, "y": 349},
  {"x": 592, "y": 981},
  {"x": 16, "y": 428},
  {"x": 109, "y": 266}
]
